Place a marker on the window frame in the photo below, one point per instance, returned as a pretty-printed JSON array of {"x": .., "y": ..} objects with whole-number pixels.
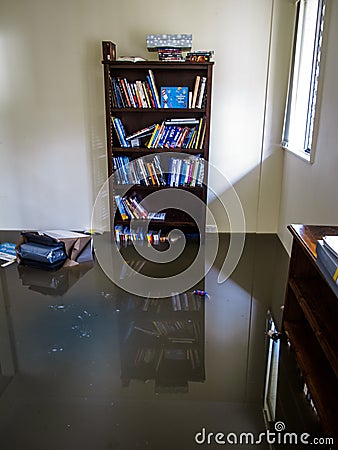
[{"x": 309, "y": 129}]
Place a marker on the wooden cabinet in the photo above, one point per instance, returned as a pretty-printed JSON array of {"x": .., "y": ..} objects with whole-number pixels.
[
  {"x": 134, "y": 117},
  {"x": 310, "y": 323}
]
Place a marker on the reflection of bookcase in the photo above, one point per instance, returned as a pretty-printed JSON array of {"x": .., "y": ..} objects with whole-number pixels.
[
  {"x": 136, "y": 118},
  {"x": 310, "y": 323},
  {"x": 162, "y": 340}
]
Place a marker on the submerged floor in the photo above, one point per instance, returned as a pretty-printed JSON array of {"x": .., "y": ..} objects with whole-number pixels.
[{"x": 86, "y": 365}]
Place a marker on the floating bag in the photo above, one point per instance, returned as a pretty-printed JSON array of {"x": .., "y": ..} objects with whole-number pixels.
[{"x": 42, "y": 252}]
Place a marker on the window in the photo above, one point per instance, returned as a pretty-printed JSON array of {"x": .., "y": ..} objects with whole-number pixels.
[{"x": 303, "y": 82}]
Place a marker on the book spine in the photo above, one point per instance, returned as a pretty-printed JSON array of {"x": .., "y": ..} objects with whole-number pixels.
[
  {"x": 154, "y": 88},
  {"x": 153, "y": 98},
  {"x": 117, "y": 131},
  {"x": 139, "y": 87},
  {"x": 146, "y": 95},
  {"x": 121, "y": 207},
  {"x": 176, "y": 137},
  {"x": 141, "y": 133},
  {"x": 121, "y": 132},
  {"x": 125, "y": 91},
  {"x": 164, "y": 136},
  {"x": 143, "y": 171},
  {"x": 159, "y": 171},
  {"x": 201, "y": 92},
  {"x": 158, "y": 136},
  {"x": 142, "y": 211},
  {"x": 152, "y": 177},
  {"x": 130, "y": 94},
  {"x": 195, "y": 92},
  {"x": 196, "y": 145},
  {"x": 204, "y": 126}
]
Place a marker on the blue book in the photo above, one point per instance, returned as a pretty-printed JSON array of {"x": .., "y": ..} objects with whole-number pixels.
[
  {"x": 121, "y": 208},
  {"x": 174, "y": 97},
  {"x": 7, "y": 251},
  {"x": 170, "y": 137},
  {"x": 120, "y": 132}
]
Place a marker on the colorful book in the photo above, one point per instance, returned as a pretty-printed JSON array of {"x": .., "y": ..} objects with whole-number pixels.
[
  {"x": 174, "y": 97},
  {"x": 154, "y": 88},
  {"x": 121, "y": 207},
  {"x": 195, "y": 91}
]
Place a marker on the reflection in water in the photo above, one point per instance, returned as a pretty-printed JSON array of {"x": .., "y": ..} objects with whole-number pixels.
[
  {"x": 98, "y": 368},
  {"x": 162, "y": 340}
]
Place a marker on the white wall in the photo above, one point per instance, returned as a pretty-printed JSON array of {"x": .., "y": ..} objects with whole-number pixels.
[
  {"x": 52, "y": 120},
  {"x": 309, "y": 191},
  {"x": 52, "y": 133}
]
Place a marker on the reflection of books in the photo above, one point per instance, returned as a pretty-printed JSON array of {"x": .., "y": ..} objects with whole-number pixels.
[
  {"x": 185, "y": 301},
  {"x": 130, "y": 267},
  {"x": 178, "y": 331}
]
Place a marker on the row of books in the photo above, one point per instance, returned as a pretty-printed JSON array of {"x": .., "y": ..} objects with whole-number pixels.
[
  {"x": 172, "y": 134},
  {"x": 138, "y": 171},
  {"x": 130, "y": 208},
  {"x": 179, "y": 133},
  {"x": 144, "y": 93},
  {"x": 186, "y": 133},
  {"x": 137, "y": 94},
  {"x": 186, "y": 172},
  {"x": 124, "y": 235}
]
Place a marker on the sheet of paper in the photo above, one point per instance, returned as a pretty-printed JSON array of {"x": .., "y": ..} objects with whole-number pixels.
[
  {"x": 62, "y": 234},
  {"x": 332, "y": 243}
]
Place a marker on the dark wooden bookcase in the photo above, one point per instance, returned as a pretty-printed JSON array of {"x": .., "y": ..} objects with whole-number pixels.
[
  {"x": 133, "y": 119},
  {"x": 310, "y": 323}
]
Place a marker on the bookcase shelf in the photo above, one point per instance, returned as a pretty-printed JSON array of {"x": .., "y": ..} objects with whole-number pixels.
[
  {"x": 165, "y": 111},
  {"x": 120, "y": 78},
  {"x": 309, "y": 322}
]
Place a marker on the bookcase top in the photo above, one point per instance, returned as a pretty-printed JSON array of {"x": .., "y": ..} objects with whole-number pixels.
[{"x": 159, "y": 64}]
